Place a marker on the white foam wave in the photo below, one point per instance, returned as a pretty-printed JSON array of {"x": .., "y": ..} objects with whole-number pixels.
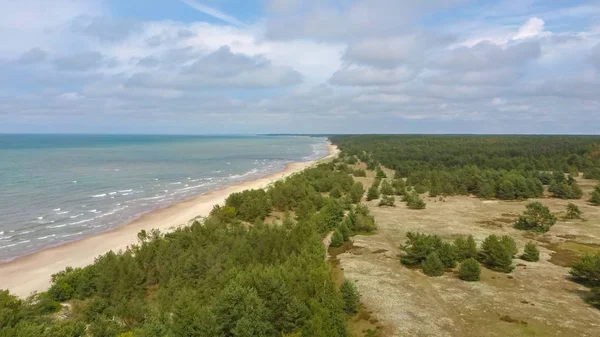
[
  {"x": 112, "y": 193},
  {"x": 99, "y": 195},
  {"x": 76, "y": 216},
  {"x": 79, "y": 222},
  {"x": 15, "y": 244},
  {"x": 125, "y": 191},
  {"x": 68, "y": 235},
  {"x": 26, "y": 232},
  {"x": 47, "y": 236},
  {"x": 56, "y": 209},
  {"x": 56, "y": 226},
  {"x": 63, "y": 212}
]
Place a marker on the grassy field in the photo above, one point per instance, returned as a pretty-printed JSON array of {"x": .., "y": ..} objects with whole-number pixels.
[{"x": 536, "y": 299}]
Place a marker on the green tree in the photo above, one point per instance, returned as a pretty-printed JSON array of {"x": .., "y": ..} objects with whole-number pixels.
[
  {"x": 447, "y": 255},
  {"x": 357, "y": 192},
  {"x": 386, "y": 188},
  {"x": 510, "y": 244},
  {"x": 433, "y": 266},
  {"x": 350, "y": 296},
  {"x": 418, "y": 246},
  {"x": 387, "y": 200},
  {"x": 337, "y": 239},
  {"x": 335, "y": 192},
  {"x": 380, "y": 173},
  {"x": 587, "y": 269},
  {"x": 531, "y": 253},
  {"x": 465, "y": 248},
  {"x": 469, "y": 270},
  {"x": 496, "y": 255},
  {"x": 345, "y": 231},
  {"x": 573, "y": 212},
  {"x": 373, "y": 193},
  {"x": 595, "y": 198},
  {"x": 536, "y": 217}
]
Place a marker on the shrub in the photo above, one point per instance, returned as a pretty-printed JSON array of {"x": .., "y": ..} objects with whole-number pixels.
[
  {"x": 373, "y": 193},
  {"x": 573, "y": 212},
  {"x": 537, "y": 218},
  {"x": 386, "y": 188},
  {"x": 496, "y": 255},
  {"x": 531, "y": 253},
  {"x": 399, "y": 186},
  {"x": 359, "y": 173},
  {"x": 595, "y": 199},
  {"x": 345, "y": 231},
  {"x": 418, "y": 246},
  {"x": 350, "y": 296},
  {"x": 510, "y": 244},
  {"x": 465, "y": 248},
  {"x": 469, "y": 270},
  {"x": 433, "y": 266},
  {"x": 566, "y": 190},
  {"x": 387, "y": 200},
  {"x": 593, "y": 173},
  {"x": 416, "y": 203},
  {"x": 447, "y": 255},
  {"x": 335, "y": 192},
  {"x": 337, "y": 239},
  {"x": 587, "y": 269},
  {"x": 380, "y": 173},
  {"x": 357, "y": 192}
]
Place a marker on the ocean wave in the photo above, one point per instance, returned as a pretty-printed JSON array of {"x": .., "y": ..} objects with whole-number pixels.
[
  {"x": 188, "y": 188},
  {"x": 15, "y": 244},
  {"x": 56, "y": 226},
  {"x": 5, "y": 237},
  {"x": 56, "y": 209},
  {"x": 238, "y": 176},
  {"x": 68, "y": 235},
  {"x": 177, "y": 183},
  {"x": 76, "y": 216},
  {"x": 63, "y": 212},
  {"x": 112, "y": 193},
  {"x": 125, "y": 191},
  {"x": 99, "y": 195},
  {"x": 47, "y": 236},
  {"x": 26, "y": 232},
  {"x": 79, "y": 222}
]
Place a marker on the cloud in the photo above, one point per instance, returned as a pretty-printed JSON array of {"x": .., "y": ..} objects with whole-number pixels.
[
  {"x": 595, "y": 57},
  {"x": 371, "y": 76},
  {"x": 533, "y": 27},
  {"x": 220, "y": 69},
  {"x": 32, "y": 56},
  {"x": 213, "y": 12},
  {"x": 82, "y": 61}
]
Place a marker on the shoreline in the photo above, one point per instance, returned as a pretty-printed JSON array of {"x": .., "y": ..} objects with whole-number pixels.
[{"x": 32, "y": 272}]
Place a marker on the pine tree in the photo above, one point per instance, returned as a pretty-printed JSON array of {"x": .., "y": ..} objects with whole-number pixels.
[
  {"x": 595, "y": 199},
  {"x": 531, "y": 253},
  {"x": 537, "y": 218},
  {"x": 496, "y": 255},
  {"x": 373, "y": 193},
  {"x": 433, "y": 266},
  {"x": 469, "y": 270},
  {"x": 573, "y": 212},
  {"x": 386, "y": 188},
  {"x": 465, "y": 248},
  {"x": 337, "y": 239},
  {"x": 447, "y": 255},
  {"x": 350, "y": 296}
]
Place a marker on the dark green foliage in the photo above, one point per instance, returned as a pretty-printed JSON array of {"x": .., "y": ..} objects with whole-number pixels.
[
  {"x": 447, "y": 255},
  {"x": 469, "y": 270},
  {"x": 387, "y": 200},
  {"x": 337, "y": 239},
  {"x": 503, "y": 167},
  {"x": 536, "y": 218},
  {"x": 399, "y": 186},
  {"x": 592, "y": 173},
  {"x": 566, "y": 190},
  {"x": 357, "y": 192},
  {"x": 418, "y": 246},
  {"x": 373, "y": 193},
  {"x": 250, "y": 204},
  {"x": 414, "y": 201},
  {"x": 496, "y": 255},
  {"x": 359, "y": 173},
  {"x": 344, "y": 230},
  {"x": 531, "y": 253},
  {"x": 465, "y": 248},
  {"x": 361, "y": 220},
  {"x": 587, "y": 269},
  {"x": 433, "y": 266},
  {"x": 379, "y": 173},
  {"x": 335, "y": 192},
  {"x": 350, "y": 296},
  {"x": 573, "y": 212},
  {"x": 510, "y": 244},
  {"x": 595, "y": 198},
  {"x": 386, "y": 188}
]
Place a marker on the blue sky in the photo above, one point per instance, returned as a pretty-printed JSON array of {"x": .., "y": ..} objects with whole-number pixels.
[{"x": 327, "y": 66}]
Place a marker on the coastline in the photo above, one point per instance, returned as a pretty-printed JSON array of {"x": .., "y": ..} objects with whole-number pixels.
[{"x": 30, "y": 273}]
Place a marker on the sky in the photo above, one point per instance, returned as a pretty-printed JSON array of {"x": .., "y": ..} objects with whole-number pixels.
[{"x": 299, "y": 66}]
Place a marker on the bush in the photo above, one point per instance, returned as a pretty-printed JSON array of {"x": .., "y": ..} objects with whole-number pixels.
[
  {"x": 335, "y": 192},
  {"x": 447, "y": 255},
  {"x": 345, "y": 231},
  {"x": 433, "y": 266},
  {"x": 399, "y": 186},
  {"x": 350, "y": 296},
  {"x": 380, "y": 173},
  {"x": 373, "y": 193},
  {"x": 587, "y": 269},
  {"x": 573, "y": 212},
  {"x": 595, "y": 199},
  {"x": 496, "y": 255},
  {"x": 359, "y": 173},
  {"x": 531, "y": 253},
  {"x": 337, "y": 239},
  {"x": 416, "y": 203},
  {"x": 465, "y": 248},
  {"x": 386, "y": 188},
  {"x": 387, "y": 200},
  {"x": 357, "y": 192},
  {"x": 418, "y": 246},
  {"x": 593, "y": 173},
  {"x": 537, "y": 218},
  {"x": 469, "y": 270},
  {"x": 566, "y": 190},
  {"x": 510, "y": 244}
]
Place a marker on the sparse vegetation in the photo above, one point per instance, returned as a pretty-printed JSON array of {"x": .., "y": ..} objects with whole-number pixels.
[
  {"x": 373, "y": 193},
  {"x": 386, "y": 188},
  {"x": 573, "y": 212},
  {"x": 387, "y": 200},
  {"x": 595, "y": 199},
  {"x": 496, "y": 254}
]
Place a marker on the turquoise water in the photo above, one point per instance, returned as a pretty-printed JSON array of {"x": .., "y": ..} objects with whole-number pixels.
[{"x": 60, "y": 188}]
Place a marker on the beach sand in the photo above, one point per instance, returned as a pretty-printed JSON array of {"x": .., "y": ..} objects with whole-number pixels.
[{"x": 31, "y": 273}]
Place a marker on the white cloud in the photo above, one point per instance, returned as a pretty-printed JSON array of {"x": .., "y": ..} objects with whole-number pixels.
[
  {"x": 213, "y": 12},
  {"x": 533, "y": 27}
]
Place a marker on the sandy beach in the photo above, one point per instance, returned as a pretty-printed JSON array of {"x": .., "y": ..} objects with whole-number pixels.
[{"x": 31, "y": 273}]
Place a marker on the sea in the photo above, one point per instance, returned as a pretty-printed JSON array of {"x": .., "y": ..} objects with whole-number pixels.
[{"x": 59, "y": 188}]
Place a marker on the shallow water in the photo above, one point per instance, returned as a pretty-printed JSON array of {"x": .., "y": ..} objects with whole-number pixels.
[{"x": 59, "y": 188}]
